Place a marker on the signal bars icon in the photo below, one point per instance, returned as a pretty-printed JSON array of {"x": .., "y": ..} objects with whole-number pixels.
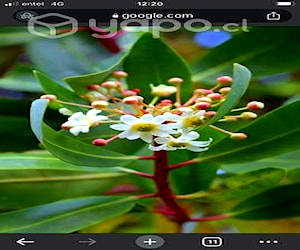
[{"x": 11, "y": 4}]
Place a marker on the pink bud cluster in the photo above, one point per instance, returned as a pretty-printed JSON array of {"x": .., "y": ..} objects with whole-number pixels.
[{"x": 112, "y": 97}]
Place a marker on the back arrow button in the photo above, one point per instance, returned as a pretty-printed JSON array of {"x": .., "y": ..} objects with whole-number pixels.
[{"x": 23, "y": 242}]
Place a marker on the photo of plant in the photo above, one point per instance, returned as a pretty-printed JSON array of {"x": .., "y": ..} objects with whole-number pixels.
[{"x": 186, "y": 133}]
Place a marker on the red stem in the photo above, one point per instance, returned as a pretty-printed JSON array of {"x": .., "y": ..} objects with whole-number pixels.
[
  {"x": 146, "y": 157},
  {"x": 142, "y": 196},
  {"x": 145, "y": 175},
  {"x": 164, "y": 191},
  {"x": 211, "y": 218},
  {"x": 182, "y": 164}
]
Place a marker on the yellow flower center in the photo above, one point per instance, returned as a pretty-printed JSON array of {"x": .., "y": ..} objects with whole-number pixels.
[
  {"x": 192, "y": 122},
  {"x": 144, "y": 127},
  {"x": 178, "y": 144}
]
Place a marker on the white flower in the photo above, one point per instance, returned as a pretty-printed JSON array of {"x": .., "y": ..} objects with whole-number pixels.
[
  {"x": 162, "y": 90},
  {"x": 185, "y": 141},
  {"x": 79, "y": 122},
  {"x": 65, "y": 111},
  {"x": 188, "y": 120},
  {"x": 144, "y": 127}
]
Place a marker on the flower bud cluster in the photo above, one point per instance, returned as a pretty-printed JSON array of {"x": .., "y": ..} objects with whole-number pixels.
[{"x": 165, "y": 122}]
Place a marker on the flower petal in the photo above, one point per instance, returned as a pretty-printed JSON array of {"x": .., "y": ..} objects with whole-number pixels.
[
  {"x": 159, "y": 119},
  {"x": 100, "y": 118},
  {"x": 186, "y": 111},
  {"x": 163, "y": 132},
  {"x": 195, "y": 149},
  {"x": 85, "y": 129},
  {"x": 76, "y": 116},
  {"x": 157, "y": 148},
  {"x": 147, "y": 118},
  {"x": 75, "y": 131},
  {"x": 132, "y": 136},
  {"x": 200, "y": 114},
  {"x": 147, "y": 137},
  {"x": 93, "y": 112},
  {"x": 119, "y": 127},
  {"x": 200, "y": 143},
  {"x": 128, "y": 119},
  {"x": 125, "y": 134},
  {"x": 193, "y": 135},
  {"x": 162, "y": 140}
]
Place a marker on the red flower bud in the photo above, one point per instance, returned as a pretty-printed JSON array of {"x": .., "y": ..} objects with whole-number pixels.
[
  {"x": 203, "y": 91},
  {"x": 215, "y": 96},
  {"x": 93, "y": 87},
  {"x": 65, "y": 127},
  {"x": 238, "y": 136},
  {"x": 99, "y": 142},
  {"x": 166, "y": 102},
  {"x": 49, "y": 97},
  {"x": 225, "y": 90},
  {"x": 136, "y": 90},
  {"x": 224, "y": 79},
  {"x": 249, "y": 115},
  {"x": 131, "y": 100},
  {"x": 119, "y": 74},
  {"x": 128, "y": 92},
  {"x": 255, "y": 105},
  {"x": 99, "y": 104},
  {"x": 175, "y": 80},
  {"x": 204, "y": 99},
  {"x": 111, "y": 84},
  {"x": 202, "y": 105},
  {"x": 210, "y": 114}
]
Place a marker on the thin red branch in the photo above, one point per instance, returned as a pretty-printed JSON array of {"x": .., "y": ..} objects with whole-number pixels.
[
  {"x": 142, "y": 196},
  {"x": 164, "y": 191},
  {"x": 142, "y": 174},
  {"x": 182, "y": 164},
  {"x": 211, "y": 218},
  {"x": 146, "y": 157}
]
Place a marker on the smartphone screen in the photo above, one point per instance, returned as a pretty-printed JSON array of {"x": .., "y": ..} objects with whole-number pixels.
[{"x": 150, "y": 124}]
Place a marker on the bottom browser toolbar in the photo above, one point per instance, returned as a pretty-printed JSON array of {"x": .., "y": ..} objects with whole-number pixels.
[{"x": 151, "y": 241}]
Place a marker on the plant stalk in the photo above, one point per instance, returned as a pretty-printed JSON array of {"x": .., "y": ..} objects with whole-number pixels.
[{"x": 164, "y": 191}]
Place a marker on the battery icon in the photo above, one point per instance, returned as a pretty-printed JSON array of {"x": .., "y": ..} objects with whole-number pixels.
[{"x": 285, "y": 3}]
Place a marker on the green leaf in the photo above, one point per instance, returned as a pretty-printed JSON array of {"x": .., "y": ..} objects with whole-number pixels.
[
  {"x": 152, "y": 61},
  {"x": 63, "y": 94},
  {"x": 37, "y": 111},
  {"x": 276, "y": 133},
  {"x": 279, "y": 202},
  {"x": 9, "y": 56},
  {"x": 191, "y": 178},
  {"x": 13, "y": 36},
  {"x": 20, "y": 78},
  {"x": 289, "y": 162},
  {"x": 39, "y": 173},
  {"x": 73, "y": 55},
  {"x": 263, "y": 50},
  {"x": 14, "y": 132},
  {"x": 294, "y": 175},
  {"x": 248, "y": 184},
  {"x": 241, "y": 80},
  {"x": 43, "y": 160},
  {"x": 80, "y": 83},
  {"x": 65, "y": 216},
  {"x": 69, "y": 149}
]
